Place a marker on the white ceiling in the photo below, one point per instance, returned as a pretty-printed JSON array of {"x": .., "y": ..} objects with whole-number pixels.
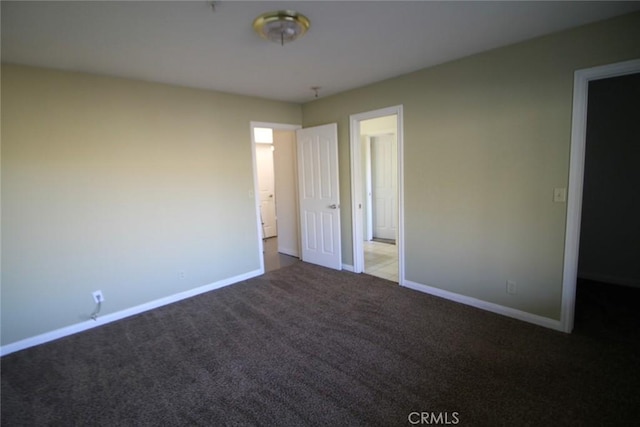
[{"x": 350, "y": 43}]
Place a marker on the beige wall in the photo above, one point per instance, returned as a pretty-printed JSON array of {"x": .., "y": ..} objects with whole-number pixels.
[
  {"x": 486, "y": 140},
  {"x": 379, "y": 125},
  {"x": 120, "y": 185}
]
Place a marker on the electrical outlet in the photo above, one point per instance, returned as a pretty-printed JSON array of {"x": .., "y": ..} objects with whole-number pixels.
[
  {"x": 181, "y": 275},
  {"x": 511, "y": 287},
  {"x": 559, "y": 195},
  {"x": 97, "y": 296}
]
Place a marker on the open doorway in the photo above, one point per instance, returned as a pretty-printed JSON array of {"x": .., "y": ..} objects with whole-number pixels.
[
  {"x": 380, "y": 211},
  {"x": 376, "y": 144},
  {"x": 608, "y": 285},
  {"x": 577, "y": 176},
  {"x": 275, "y": 173}
]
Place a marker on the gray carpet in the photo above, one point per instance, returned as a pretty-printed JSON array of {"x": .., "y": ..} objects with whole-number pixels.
[{"x": 305, "y": 345}]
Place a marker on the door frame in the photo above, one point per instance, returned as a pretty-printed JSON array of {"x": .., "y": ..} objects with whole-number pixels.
[
  {"x": 357, "y": 185},
  {"x": 576, "y": 178},
  {"x": 256, "y": 189}
]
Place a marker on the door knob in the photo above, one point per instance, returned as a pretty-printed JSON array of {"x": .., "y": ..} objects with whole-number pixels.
[{"x": 334, "y": 206}]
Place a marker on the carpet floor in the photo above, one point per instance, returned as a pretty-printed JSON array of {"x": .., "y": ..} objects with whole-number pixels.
[{"x": 308, "y": 346}]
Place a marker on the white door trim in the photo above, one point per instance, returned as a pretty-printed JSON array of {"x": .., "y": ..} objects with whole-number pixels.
[
  {"x": 576, "y": 178},
  {"x": 356, "y": 186},
  {"x": 256, "y": 188}
]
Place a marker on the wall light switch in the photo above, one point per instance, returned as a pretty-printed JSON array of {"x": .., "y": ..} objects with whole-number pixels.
[{"x": 559, "y": 195}]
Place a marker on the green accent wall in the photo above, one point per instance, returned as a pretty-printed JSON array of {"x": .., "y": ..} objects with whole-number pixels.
[{"x": 486, "y": 140}]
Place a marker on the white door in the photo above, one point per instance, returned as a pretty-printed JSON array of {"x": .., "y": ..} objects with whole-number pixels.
[
  {"x": 319, "y": 197},
  {"x": 264, "y": 161},
  {"x": 384, "y": 186}
]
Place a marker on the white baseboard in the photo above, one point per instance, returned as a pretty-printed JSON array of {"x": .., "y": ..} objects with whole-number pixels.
[
  {"x": 347, "y": 267},
  {"x": 289, "y": 251},
  {"x": 615, "y": 280},
  {"x": 488, "y": 306},
  {"x": 112, "y": 317}
]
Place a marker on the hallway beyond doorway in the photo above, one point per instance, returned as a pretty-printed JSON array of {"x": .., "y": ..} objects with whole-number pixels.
[
  {"x": 381, "y": 260},
  {"x": 273, "y": 260}
]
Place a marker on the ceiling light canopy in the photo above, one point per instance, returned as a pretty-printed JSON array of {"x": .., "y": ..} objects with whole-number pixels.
[{"x": 281, "y": 26}]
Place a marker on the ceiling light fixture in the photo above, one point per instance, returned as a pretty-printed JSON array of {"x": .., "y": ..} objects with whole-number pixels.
[{"x": 281, "y": 26}]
